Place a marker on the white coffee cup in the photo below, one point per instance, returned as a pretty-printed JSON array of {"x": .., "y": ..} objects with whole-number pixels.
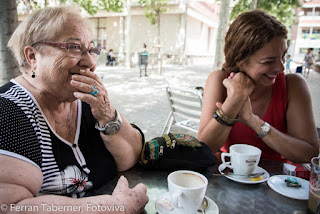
[
  {"x": 187, "y": 190},
  {"x": 243, "y": 158}
]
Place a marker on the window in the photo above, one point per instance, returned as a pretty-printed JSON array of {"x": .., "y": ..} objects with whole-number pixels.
[{"x": 316, "y": 31}]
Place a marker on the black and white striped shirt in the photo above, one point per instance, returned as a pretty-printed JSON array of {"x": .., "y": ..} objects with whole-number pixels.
[{"x": 68, "y": 168}]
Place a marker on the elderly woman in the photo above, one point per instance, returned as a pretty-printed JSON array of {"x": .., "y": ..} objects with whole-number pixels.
[
  {"x": 60, "y": 134},
  {"x": 251, "y": 101}
]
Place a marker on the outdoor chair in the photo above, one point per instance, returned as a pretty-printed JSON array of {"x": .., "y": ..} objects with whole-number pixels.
[{"x": 185, "y": 109}]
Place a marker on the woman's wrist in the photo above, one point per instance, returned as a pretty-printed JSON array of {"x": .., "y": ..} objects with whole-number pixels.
[
  {"x": 110, "y": 116},
  {"x": 254, "y": 122},
  {"x": 231, "y": 107}
]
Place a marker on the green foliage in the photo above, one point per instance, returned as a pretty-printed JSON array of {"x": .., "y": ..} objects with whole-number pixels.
[
  {"x": 91, "y": 6},
  {"x": 283, "y": 10},
  {"x": 153, "y": 8}
]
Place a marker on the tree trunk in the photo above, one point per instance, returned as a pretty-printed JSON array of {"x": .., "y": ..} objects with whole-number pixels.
[
  {"x": 127, "y": 34},
  {"x": 158, "y": 23},
  {"x": 8, "y": 23},
  {"x": 159, "y": 45},
  {"x": 223, "y": 25},
  {"x": 254, "y": 4},
  {"x": 121, "y": 36},
  {"x": 184, "y": 49}
]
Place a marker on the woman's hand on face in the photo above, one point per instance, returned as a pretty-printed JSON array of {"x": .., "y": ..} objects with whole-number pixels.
[
  {"x": 135, "y": 199},
  {"x": 239, "y": 86},
  {"x": 92, "y": 91}
]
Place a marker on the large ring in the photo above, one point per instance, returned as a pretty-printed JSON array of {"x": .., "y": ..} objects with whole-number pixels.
[{"x": 94, "y": 92}]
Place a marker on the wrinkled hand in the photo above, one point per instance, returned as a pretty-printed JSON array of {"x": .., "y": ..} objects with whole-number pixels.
[
  {"x": 239, "y": 86},
  {"x": 100, "y": 105},
  {"x": 134, "y": 200}
]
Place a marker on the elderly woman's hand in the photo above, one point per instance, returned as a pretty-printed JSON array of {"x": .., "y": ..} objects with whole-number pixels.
[
  {"x": 92, "y": 91},
  {"x": 134, "y": 200}
]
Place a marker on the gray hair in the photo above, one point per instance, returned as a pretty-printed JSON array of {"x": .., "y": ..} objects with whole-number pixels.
[{"x": 43, "y": 25}]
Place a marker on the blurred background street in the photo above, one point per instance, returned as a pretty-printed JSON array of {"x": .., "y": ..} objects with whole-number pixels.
[{"x": 143, "y": 100}]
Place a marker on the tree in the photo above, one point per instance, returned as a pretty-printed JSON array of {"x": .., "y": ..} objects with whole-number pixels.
[
  {"x": 92, "y": 7},
  {"x": 283, "y": 10},
  {"x": 8, "y": 23},
  {"x": 222, "y": 28},
  {"x": 153, "y": 9}
]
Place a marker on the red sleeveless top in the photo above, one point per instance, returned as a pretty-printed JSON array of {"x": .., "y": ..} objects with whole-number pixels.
[{"x": 275, "y": 116}]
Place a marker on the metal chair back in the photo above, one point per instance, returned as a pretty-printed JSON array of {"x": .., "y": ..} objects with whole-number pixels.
[{"x": 185, "y": 109}]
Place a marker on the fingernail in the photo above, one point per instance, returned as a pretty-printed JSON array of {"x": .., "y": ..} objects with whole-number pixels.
[
  {"x": 75, "y": 94},
  {"x": 82, "y": 71}
]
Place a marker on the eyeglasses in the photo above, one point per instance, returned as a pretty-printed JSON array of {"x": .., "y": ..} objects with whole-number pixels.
[{"x": 74, "y": 50}]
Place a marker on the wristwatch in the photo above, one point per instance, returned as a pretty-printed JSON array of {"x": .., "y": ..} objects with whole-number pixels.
[
  {"x": 111, "y": 127},
  {"x": 265, "y": 128}
]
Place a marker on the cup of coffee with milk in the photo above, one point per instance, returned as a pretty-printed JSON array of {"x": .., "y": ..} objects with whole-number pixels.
[
  {"x": 243, "y": 158},
  {"x": 187, "y": 190}
]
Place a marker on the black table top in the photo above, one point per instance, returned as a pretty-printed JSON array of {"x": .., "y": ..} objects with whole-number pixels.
[{"x": 230, "y": 196}]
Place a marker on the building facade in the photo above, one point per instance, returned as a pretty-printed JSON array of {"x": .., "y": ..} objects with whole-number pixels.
[
  {"x": 306, "y": 33},
  {"x": 187, "y": 32}
]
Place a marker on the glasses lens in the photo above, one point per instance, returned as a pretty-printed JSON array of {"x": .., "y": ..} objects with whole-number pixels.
[
  {"x": 74, "y": 50},
  {"x": 95, "y": 52},
  {"x": 77, "y": 51}
]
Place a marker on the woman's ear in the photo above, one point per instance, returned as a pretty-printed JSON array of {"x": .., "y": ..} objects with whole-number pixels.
[{"x": 30, "y": 55}]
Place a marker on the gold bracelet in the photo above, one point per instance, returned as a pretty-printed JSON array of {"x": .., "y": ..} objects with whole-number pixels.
[
  {"x": 222, "y": 122},
  {"x": 226, "y": 119}
]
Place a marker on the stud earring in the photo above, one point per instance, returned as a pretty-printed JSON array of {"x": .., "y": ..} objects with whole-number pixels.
[{"x": 33, "y": 74}]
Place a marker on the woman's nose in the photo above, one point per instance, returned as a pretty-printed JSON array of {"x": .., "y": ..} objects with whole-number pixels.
[{"x": 88, "y": 61}]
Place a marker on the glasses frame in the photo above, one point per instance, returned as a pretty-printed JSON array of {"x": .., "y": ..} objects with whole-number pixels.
[{"x": 94, "y": 52}]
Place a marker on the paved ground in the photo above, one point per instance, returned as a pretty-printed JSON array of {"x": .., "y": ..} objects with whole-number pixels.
[{"x": 142, "y": 100}]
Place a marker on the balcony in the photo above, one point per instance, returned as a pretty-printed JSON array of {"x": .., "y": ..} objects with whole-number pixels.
[{"x": 310, "y": 37}]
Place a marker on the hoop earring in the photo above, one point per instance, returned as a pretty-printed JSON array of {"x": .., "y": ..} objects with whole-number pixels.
[{"x": 33, "y": 74}]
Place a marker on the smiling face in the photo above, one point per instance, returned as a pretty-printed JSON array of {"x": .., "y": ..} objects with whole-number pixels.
[
  {"x": 55, "y": 66},
  {"x": 265, "y": 64}
]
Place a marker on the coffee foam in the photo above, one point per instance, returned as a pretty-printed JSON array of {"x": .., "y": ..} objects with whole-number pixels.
[{"x": 188, "y": 180}]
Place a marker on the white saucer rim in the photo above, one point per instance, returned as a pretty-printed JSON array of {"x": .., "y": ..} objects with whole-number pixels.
[
  {"x": 272, "y": 186},
  {"x": 265, "y": 176},
  {"x": 211, "y": 203}
]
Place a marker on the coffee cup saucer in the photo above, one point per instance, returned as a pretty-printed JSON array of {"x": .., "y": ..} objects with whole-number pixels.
[
  {"x": 164, "y": 206},
  {"x": 278, "y": 184},
  {"x": 243, "y": 179}
]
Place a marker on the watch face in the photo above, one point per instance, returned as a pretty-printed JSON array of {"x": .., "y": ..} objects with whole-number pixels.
[
  {"x": 112, "y": 128},
  {"x": 265, "y": 128}
]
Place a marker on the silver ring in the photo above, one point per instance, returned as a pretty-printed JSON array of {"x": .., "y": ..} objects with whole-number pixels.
[{"x": 94, "y": 92}]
